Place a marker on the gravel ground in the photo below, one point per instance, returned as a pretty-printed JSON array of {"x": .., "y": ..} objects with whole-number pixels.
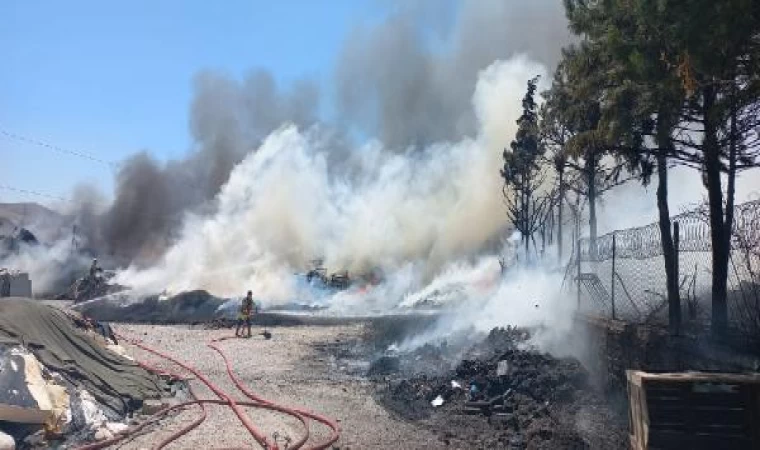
[{"x": 288, "y": 369}]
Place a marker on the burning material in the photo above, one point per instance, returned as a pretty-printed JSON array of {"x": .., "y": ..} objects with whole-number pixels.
[{"x": 337, "y": 280}]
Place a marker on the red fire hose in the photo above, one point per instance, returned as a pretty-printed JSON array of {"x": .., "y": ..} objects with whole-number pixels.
[
  {"x": 334, "y": 427},
  {"x": 224, "y": 399}
]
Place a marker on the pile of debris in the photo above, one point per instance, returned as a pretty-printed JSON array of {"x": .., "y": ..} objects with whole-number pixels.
[
  {"x": 341, "y": 280},
  {"x": 186, "y": 307},
  {"x": 62, "y": 383},
  {"x": 503, "y": 394},
  {"x": 337, "y": 280},
  {"x": 90, "y": 287}
]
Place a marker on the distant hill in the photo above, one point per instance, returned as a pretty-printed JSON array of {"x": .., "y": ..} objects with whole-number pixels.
[{"x": 46, "y": 224}]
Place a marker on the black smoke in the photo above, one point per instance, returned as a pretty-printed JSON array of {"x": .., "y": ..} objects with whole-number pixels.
[
  {"x": 228, "y": 118},
  {"x": 409, "y": 83}
]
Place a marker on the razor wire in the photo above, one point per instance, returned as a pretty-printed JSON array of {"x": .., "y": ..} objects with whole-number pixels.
[{"x": 637, "y": 286}]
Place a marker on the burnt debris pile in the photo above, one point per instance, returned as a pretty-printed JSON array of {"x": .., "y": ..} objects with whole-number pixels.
[
  {"x": 90, "y": 287},
  {"x": 196, "y": 306},
  {"x": 502, "y": 394}
]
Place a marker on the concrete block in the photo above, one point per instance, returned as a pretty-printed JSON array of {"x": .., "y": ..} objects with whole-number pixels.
[
  {"x": 15, "y": 284},
  {"x": 21, "y": 285}
]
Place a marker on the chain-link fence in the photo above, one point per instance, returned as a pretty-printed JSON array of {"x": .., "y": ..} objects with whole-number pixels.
[{"x": 622, "y": 274}]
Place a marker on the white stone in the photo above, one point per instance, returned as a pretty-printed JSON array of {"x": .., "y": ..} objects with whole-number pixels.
[
  {"x": 103, "y": 434},
  {"x": 117, "y": 427},
  {"x": 7, "y": 442}
]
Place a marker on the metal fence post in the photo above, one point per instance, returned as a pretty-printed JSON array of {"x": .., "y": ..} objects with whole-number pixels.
[
  {"x": 612, "y": 278},
  {"x": 676, "y": 250},
  {"x": 676, "y": 275},
  {"x": 578, "y": 264}
]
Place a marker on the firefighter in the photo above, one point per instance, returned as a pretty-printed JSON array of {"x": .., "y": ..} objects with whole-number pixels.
[{"x": 246, "y": 314}]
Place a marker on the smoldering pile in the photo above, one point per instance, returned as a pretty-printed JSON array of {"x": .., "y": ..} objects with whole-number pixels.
[
  {"x": 89, "y": 287},
  {"x": 502, "y": 394},
  {"x": 125, "y": 306}
]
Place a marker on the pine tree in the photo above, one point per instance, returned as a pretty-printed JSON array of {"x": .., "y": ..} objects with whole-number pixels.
[
  {"x": 523, "y": 174},
  {"x": 680, "y": 86}
]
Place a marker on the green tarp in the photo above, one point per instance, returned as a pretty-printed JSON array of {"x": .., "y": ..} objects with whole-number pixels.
[{"x": 60, "y": 346}]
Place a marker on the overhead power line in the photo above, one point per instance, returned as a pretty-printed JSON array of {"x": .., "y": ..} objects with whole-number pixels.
[
  {"x": 27, "y": 191},
  {"x": 55, "y": 148}
]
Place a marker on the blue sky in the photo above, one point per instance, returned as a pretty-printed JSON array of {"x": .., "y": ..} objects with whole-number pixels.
[{"x": 111, "y": 78}]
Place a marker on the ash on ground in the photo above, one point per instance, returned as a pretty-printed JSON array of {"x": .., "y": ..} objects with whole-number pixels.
[{"x": 498, "y": 393}]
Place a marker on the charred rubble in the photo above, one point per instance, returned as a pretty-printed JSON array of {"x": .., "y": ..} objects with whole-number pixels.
[
  {"x": 91, "y": 286},
  {"x": 339, "y": 280},
  {"x": 501, "y": 394}
]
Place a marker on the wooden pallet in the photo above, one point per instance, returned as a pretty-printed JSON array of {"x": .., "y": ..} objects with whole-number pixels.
[{"x": 694, "y": 410}]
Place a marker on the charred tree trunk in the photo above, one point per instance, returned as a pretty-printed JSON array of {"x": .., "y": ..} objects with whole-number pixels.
[
  {"x": 717, "y": 225},
  {"x": 731, "y": 185},
  {"x": 591, "y": 179},
  {"x": 525, "y": 213},
  {"x": 668, "y": 249},
  {"x": 559, "y": 215}
]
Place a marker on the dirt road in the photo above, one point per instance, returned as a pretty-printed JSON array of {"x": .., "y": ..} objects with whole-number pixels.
[{"x": 288, "y": 369}]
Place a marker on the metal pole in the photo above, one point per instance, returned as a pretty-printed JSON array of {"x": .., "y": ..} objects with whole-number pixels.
[
  {"x": 676, "y": 276},
  {"x": 578, "y": 263},
  {"x": 676, "y": 245},
  {"x": 612, "y": 278}
]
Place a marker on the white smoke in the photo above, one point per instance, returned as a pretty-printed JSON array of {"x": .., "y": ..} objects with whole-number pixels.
[
  {"x": 51, "y": 268},
  {"x": 523, "y": 297},
  {"x": 632, "y": 205},
  {"x": 457, "y": 284},
  {"x": 284, "y": 206}
]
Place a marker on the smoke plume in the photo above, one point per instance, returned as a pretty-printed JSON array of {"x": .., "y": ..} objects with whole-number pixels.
[
  {"x": 406, "y": 84},
  {"x": 283, "y": 206},
  {"x": 227, "y": 118},
  {"x": 408, "y": 81}
]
